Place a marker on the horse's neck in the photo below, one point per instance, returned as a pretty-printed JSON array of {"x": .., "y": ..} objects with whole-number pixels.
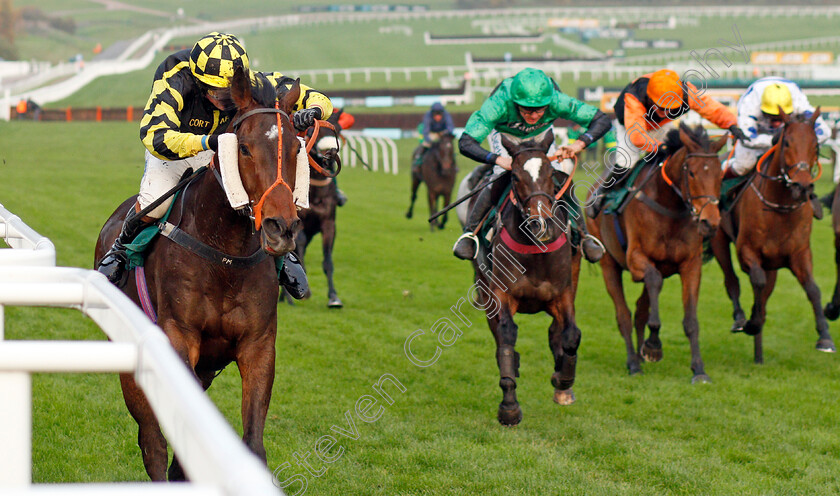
[
  {"x": 661, "y": 191},
  {"x": 208, "y": 217}
]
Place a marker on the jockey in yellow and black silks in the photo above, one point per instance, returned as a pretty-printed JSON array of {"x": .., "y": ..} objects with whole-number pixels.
[{"x": 189, "y": 107}]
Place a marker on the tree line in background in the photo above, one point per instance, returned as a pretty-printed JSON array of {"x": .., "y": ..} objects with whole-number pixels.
[{"x": 28, "y": 19}]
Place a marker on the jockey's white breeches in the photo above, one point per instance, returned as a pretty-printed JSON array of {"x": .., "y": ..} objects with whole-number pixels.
[
  {"x": 495, "y": 140},
  {"x": 162, "y": 175},
  {"x": 626, "y": 153}
]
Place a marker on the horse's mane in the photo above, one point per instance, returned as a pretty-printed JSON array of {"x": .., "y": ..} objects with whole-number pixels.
[{"x": 697, "y": 134}]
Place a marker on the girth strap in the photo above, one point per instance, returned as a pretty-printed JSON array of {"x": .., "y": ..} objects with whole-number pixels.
[{"x": 207, "y": 252}]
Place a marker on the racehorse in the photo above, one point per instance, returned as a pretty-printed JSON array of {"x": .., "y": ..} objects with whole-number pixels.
[
  {"x": 533, "y": 270},
  {"x": 438, "y": 172},
  {"x": 225, "y": 310},
  {"x": 320, "y": 216},
  {"x": 771, "y": 228},
  {"x": 660, "y": 233},
  {"x": 832, "y": 308}
]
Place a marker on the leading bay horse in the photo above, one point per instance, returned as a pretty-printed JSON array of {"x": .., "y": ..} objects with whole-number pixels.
[
  {"x": 660, "y": 233},
  {"x": 438, "y": 172},
  {"x": 533, "y": 270},
  {"x": 771, "y": 228},
  {"x": 219, "y": 312}
]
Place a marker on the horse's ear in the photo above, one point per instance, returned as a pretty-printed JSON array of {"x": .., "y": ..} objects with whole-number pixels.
[
  {"x": 686, "y": 137},
  {"x": 289, "y": 98},
  {"x": 509, "y": 145},
  {"x": 814, "y": 117},
  {"x": 785, "y": 117},
  {"x": 547, "y": 141},
  {"x": 240, "y": 87},
  {"x": 718, "y": 143}
]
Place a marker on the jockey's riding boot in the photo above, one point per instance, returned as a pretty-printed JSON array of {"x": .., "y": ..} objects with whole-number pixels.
[
  {"x": 292, "y": 276},
  {"x": 113, "y": 265},
  {"x": 816, "y": 206},
  {"x": 597, "y": 200},
  {"x": 466, "y": 247},
  {"x": 591, "y": 246}
]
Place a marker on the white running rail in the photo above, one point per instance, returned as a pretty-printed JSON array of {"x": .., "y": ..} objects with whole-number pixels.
[{"x": 213, "y": 456}]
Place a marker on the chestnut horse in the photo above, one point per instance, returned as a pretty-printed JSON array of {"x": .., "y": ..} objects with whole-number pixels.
[
  {"x": 323, "y": 200},
  {"x": 438, "y": 172},
  {"x": 219, "y": 312},
  {"x": 771, "y": 228},
  {"x": 533, "y": 270},
  {"x": 660, "y": 233}
]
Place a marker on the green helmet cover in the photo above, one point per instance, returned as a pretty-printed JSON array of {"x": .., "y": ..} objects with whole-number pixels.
[{"x": 531, "y": 88}]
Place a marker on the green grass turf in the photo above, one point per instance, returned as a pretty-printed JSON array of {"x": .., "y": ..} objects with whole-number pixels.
[{"x": 767, "y": 429}]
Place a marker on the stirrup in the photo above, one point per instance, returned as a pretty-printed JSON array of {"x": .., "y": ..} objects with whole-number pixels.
[
  {"x": 466, "y": 235},
  {"x": 592, "y": 258}
]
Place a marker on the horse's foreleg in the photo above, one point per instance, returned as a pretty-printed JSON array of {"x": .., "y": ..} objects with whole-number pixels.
[
  {"x": 415, "y": 183},
  {"x": 563, "y": 339},
  {"x": 640, "y": 319},
  {"x": 432, "y": 197},
  {"x": 615, "y": 287},
  {"x": 328, "y": 241},
  {"x": 690, "y": 278},
  {"x": 802, "y": 268},
  {"x": 758, "y": 347},
  {"x": 643, "y": 269},
  {"x": 508, "y": 360},
  {"x": 255, "y": 360},
  {"x": 832, "y": 308},
  {"x": 758, "y": 279},
  {"x": 149, "y": 438},
  {"x": 720, "y": 248},
  {"x": 186, "y": 345}
]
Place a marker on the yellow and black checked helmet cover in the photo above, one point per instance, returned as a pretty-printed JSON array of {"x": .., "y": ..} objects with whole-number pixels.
[{"x": 215, "y": 56}]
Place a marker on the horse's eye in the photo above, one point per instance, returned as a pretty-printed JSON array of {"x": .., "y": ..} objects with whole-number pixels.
[
  {"x": 691, "y": 173},
  {"x": 243, "y": 149}
]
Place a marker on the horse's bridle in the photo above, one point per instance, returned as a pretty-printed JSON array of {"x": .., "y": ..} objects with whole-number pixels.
[
  {"x": 686, "y": 196},
  {"x": 784, "y": 174},
  {"x": 255, "y": 211}
]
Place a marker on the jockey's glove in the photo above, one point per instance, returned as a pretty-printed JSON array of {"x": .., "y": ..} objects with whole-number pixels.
[
  {"x": 305, "y": 118},
  {"x": 736, "y": 131}
]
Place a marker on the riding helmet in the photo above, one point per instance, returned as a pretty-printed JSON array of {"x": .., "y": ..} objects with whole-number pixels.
[
  {"x": 531, "y": 88},
  {"x": 214, "y": 58}
]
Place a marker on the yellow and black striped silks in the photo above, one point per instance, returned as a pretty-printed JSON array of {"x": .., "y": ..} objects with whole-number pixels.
[{"x": 178, "y": 115}]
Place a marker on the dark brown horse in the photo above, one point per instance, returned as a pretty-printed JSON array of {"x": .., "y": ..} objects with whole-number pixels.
[
  {"x": 438, "y": 172},
  {"x": 658, "y": 234},
  {"x": 533, "y": 270},
  {"x": 323, "y": 200},
  {"x": 771, "y": 228},
  {"x": 219, "y": 312}
]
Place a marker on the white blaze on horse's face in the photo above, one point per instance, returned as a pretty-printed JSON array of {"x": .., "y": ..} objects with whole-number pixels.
[
  {"x": 533, "y": 166},
  {"x": 272, "y": 133}
]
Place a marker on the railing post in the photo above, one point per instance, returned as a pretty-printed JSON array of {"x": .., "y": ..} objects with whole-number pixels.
[{"x": 16, "y": 429}]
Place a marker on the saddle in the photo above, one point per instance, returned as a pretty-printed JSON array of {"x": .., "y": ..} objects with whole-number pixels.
[{"x": 617, "y": 196}]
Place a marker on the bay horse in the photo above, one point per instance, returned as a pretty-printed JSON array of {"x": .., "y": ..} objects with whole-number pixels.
[
  {"x": 217, "y": 312},
  {"x": 533, "y": 270},
  {"x": 771, "y": 228},
  {"x": 832, "y": 308},
  {"x": 660, "y": 233},
  {"x": 438, "y": 172},
  {"x": 323, "y": 200}
]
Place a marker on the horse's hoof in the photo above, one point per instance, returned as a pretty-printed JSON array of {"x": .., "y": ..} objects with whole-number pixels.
[
  {"x": 634, "y": 369},
  {"x": 510, "y": 417},
  {"x": 441, "y": 226},
  {"x": 752, "y": 329},
  {"x": 738, "y": 326},
  {"x": 408, "y": 215},
  {"x": 564, "y": 397},
  {"x": 701, "y": 379},
  {"x": 651, "y": 354},
  {"x": 826, "y": 345},
  {"x": 334, "y": 303},
  {"x": 832, "y": 311}
]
